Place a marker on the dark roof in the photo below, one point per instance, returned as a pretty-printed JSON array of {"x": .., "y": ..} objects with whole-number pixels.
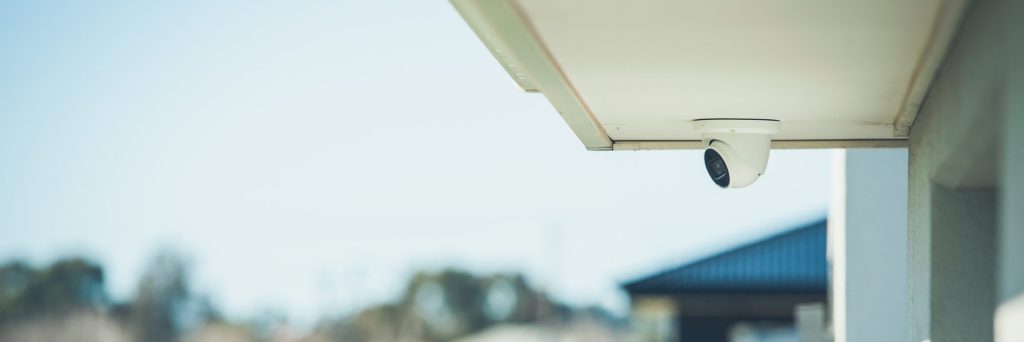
[{"x": 789, "y": 262}]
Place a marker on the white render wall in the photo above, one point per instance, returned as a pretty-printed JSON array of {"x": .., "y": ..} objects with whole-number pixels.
[
  {"x": 868, "y": 245},
  {"x": 966, "y": 198},
  {"x": 1010, "y": 257}
]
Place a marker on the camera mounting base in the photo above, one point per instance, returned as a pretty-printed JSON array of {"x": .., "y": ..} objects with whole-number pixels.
[{"x": 749, "y": 126}]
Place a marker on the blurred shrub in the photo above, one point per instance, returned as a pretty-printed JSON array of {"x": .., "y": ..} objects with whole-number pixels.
[
  {"x": 445, "y": 305},
  {"x": 67, "y": 301},
  {"x": 165, "y": 306},
  {"x": 66, "y": 286},
  {"x": 64, "y": 297}
]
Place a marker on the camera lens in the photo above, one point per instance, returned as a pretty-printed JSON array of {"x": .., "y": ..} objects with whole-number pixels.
[{"x": 716, "y": 167}]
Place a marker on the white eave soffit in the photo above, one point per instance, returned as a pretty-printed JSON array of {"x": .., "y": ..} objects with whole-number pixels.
[{"x": 634, "y": 75}]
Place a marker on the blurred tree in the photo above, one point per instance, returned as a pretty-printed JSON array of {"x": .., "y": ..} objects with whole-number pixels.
[
  {"x": 69, "y": 284},
  {"x": 509, "y": 298},
  {"x": 449, "y": 303},
  {"x": 14, "y": 279},
  {"x": 165, "y": 306},
  {"x": 442, "y": 306},
  {"x": 378, "y": 323},
  {"x": 65, "y": 286}
]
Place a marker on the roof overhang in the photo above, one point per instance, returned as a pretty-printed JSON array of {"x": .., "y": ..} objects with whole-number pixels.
[{"x": 634, "y": 75}]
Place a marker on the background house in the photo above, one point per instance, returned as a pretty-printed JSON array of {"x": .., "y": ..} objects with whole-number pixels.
[{"x": 747, "y": 291}]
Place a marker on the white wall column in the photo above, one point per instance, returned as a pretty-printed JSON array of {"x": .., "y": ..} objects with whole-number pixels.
[
  {"x": 868, "y": 245},
  {"x": 961, "y": 201},
  {"x": 963, "y": 264},
  {"x": 1010, "y": 255}
]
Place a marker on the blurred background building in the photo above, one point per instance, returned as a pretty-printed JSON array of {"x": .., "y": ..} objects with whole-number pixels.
[{"x": 747, "y": 293}]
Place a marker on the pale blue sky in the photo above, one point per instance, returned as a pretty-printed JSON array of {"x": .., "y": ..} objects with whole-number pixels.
[{"x": 309, "y": 155}]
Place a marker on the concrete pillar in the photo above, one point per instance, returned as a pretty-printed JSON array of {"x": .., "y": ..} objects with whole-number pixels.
[
  {"x": 1010, "y": 256},
  {"x": 952, "y": 244},
  {"x": 868, "y": 245},
  {"x": 962, "y": 264},
  {"x": 958, "y": 158}
]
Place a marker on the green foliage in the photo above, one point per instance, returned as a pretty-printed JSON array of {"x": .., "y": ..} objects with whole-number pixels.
[
  {"x": 69, "y": 284},
  {"x": 163, "y": 309},
  {"x": 165, "y": 306},
  {"x": 434, "y": 306},
  {"x": 442, "y": 306}
]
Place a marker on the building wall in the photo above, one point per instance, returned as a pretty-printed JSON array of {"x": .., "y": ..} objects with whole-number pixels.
[
  {"x": 655, "y": 318},
  {"x": 965, "y": 238},
  {"x": 868, "y": 245},
  {"x": 1010, "y": 248}
]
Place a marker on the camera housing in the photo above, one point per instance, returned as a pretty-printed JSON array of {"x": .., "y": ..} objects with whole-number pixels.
[{"x": 736, "y": 151}]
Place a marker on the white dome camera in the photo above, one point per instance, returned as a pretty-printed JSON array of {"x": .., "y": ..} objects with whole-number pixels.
[{"x": 737, "y": 149}]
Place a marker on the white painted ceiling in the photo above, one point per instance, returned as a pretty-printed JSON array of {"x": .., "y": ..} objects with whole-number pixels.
[{"x": 828, "y": 70}]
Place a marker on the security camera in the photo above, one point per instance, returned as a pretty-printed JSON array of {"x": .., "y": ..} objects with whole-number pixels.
[{"x": 736, "y": 149}]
